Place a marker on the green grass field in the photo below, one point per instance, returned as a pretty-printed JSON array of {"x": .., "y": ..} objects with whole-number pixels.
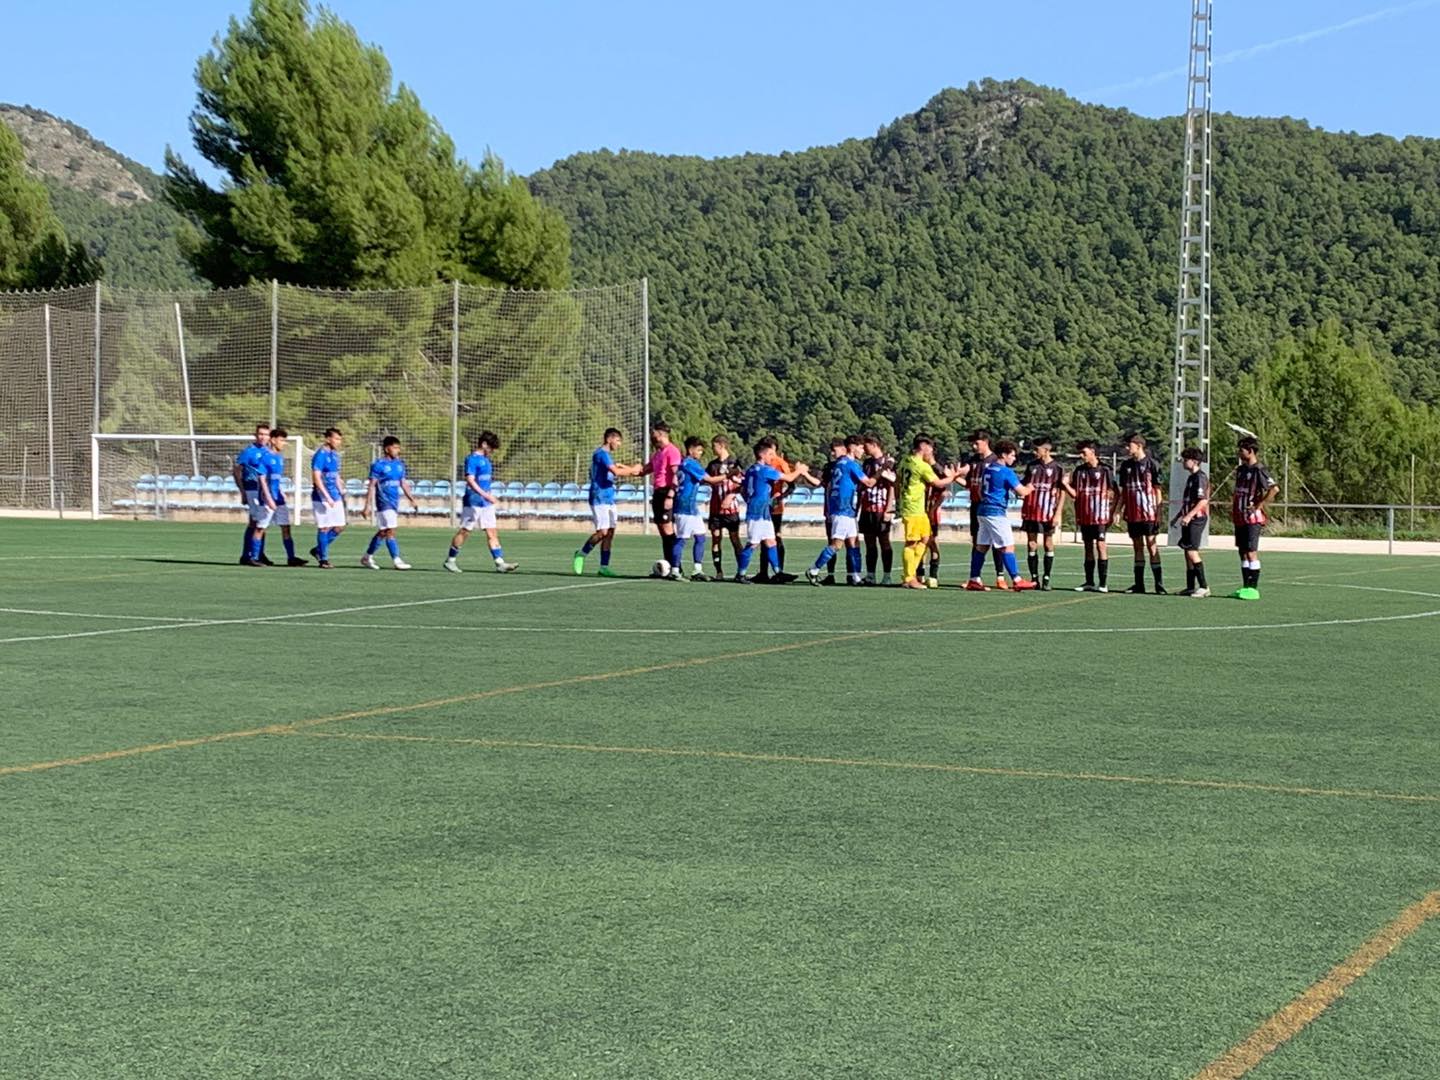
[{"x": 357, "y": 824}]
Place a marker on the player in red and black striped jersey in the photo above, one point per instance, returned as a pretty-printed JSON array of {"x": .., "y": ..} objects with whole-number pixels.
[
  {"x": 877, "y": 509},
  {"x": 1040, "y": 512},
  {"x": 972, "y": 471},
  {"x": 1192, "y": 517},
  {"x": 724, "y": 503},
  {"x": 1093, "y": 487},
  {"x": 1142, "y": 494},
  {"x": 1254, "y": 488}
]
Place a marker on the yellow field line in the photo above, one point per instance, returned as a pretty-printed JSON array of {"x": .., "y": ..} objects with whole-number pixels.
[
  {"x": 1296, "y": 1016},
  {"x": 482, "y": 695},
  {"x": 879, "y": 763}
]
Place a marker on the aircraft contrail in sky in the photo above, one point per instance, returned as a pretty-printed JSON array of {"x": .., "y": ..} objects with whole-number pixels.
[{"x": 1250, "y": 52}]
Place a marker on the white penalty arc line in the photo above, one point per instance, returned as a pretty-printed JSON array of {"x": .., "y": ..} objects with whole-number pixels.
[{"x": 281, "y": 619}]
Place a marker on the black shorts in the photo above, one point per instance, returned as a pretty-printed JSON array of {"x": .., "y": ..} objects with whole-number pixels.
[
  {"x": 1247, "y": 537},
  {"x": 1192, "y": 533},
  {"x": 873, "y": 523},
  {"x": 663, "y": 516},
  {"x": 974, "y": 523},
  {"x": 1138, "y": 530},
  {"x": 1034, "y": 528},
  {"x": 724, "y": 522},
  {"x": 1090, "y": 533},
  {"x": 777, "y": 521}
]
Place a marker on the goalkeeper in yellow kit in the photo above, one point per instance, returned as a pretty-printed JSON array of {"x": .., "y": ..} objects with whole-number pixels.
[{"x": 914, "y": 478}]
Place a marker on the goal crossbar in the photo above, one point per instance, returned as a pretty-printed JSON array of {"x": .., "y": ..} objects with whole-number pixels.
[{"x": 296, "y": 446}]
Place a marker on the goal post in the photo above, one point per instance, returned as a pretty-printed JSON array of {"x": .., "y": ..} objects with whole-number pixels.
[{"x": 139, "y": 474}]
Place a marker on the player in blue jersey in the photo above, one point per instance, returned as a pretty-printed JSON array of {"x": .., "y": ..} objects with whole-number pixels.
[
  {"x": 479, "y": 504},
  {"x": 604, "y": 514},
  {"x": 846, "y": 476},
  {"x": 388, "y": 485},
  {"x": 273, "y": 480},
  {"x": 758, "y": 490},
  {"x": 691, "y": 479},
  {"x": 327, "y": 496},
  {"x": 246, "y": 472},
  {"x": 997, "y": 483}
]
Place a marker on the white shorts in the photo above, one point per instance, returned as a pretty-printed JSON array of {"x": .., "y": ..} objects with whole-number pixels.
[
  {"x": 282, "y": 515},
  {"x": 477, "y": 517},
  {"x": 757, "y": 532},
  {"x": 844, "y": 527},
  {"x": 689, "y": 525},
  {"x": 605, "y": 515},
  {"x": 995, "y": 532},
  {"x": 386, "y": 519},
  {"x": 328, "y": 517},
  {"x": 260, "y": 514}
]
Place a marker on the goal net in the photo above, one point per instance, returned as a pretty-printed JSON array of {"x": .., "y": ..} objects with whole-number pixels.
[{"x": 181, "y": 476}]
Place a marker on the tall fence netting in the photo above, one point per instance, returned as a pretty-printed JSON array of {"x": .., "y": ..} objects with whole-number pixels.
[{"x": 546, "y": 371}]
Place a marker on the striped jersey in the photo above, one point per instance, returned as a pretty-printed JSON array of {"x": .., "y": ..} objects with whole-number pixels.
[
  {"x": 1251, "y": 484},
  {"x": 1095, "y": 491},
  {"x": 725, "y": 498},
  {"x": 934, "y": 499},
  {"x": 1046, "y": 480},
  {"x": 1197, "y": 489},
  {"x": 880, "y": 498},
  {"x": 1139, "y": 481},
  {"x": 975, "y": 478}
]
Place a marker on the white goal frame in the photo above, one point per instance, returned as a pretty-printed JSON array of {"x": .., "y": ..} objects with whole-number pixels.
[{"x": 96, "y": 438}]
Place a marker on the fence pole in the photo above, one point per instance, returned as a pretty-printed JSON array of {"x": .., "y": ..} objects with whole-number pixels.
[
  {"x": 274, "y": 352},
  {"x": 1412, "y": 492},
  {"x": 49, "y": 409},
  {"x": 640, "y": 440},
  {"x": 185, "y": 382},
  {"x": 94, "y": 478},
  {"x": 454, "y": 394},
  {"x": 97, "y": 357},
  {"x": 1287, "y": 476},
  {"x": 1390, "y": 530}
]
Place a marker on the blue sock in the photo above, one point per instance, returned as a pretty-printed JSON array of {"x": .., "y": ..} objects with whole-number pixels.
[
  {"x": 289, "y": 547},
  {"x": 497, "y": 553},
  {"x": 322, "y": 544},
  {"x": 743, "y": 563},
  {"x": 454, "y": 551},
  {"x": 392, "y": 546},
  {"x": 977, "y": 564},
  {"x": 852, "y": 560},
  {"x": 588, "y": 547},
  {"x": 772, "y": 556},
  {"x": 374, "y": 545},
  {"x": 823, "y": 558},
  {"x": 604, "y": 556},
  {"x": 677, "y": 552},
  {"x": 1011, "y": 566},
  {"x": 700, "y": 550},
  {"x": 331, "y": 535}
]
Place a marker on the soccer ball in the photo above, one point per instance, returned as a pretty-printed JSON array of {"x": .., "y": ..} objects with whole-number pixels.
[{"x": 661, "y": 568}]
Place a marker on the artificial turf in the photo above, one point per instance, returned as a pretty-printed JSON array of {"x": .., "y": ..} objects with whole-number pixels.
[{"x": 496, "y": 826}]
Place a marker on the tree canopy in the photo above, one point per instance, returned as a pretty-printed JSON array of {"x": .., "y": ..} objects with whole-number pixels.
[
  {"x": 34, "y": 253},
  {"x": 334, "y": 178}
]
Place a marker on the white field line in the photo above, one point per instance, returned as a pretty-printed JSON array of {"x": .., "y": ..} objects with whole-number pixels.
[
  {"x": 97, "y": 615},
  {"x": 261, "y": 619},
  {"x": 63, "y": 558}
]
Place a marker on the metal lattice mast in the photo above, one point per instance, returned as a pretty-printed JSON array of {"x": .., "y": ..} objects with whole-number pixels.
[{"x": 1190, "y": 420}]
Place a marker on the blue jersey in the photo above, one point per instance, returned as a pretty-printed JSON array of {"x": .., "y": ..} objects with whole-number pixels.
[
  {"x": 327, "y": 463},
  {"x": 479, "y": 468},
  {"x": 387, "y": 474},
  {"x": 252, "y": 463},
  {"x": 602, "y": 480},
  {"x": 842, "y": 493},
  {"x": 274, "y": 467},
  {"x": 757, "y": 490},
  {"x": 995, "y": 488},
  {"x": 689, "y": 479}
]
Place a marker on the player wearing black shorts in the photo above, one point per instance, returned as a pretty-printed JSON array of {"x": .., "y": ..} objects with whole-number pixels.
[
  {"x": 1040, "y": 512},
  {"x": 1254, "y": 489},
  {"x": 1095, "y": 489},
  {"x": 877, "y": 510},
  {"x": 1143, "y": 495},
  {"x": 724, "y": 504},
  {"x": 1192, "y": 517}
]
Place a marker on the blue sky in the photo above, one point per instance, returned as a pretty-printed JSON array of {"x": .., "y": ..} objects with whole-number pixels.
[{"x": 538, "y": 81}]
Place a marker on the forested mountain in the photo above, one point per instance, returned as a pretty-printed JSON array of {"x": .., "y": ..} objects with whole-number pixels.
[
  {"x": 111, "y": 204},
  {"x": 1006, "y": 255}
]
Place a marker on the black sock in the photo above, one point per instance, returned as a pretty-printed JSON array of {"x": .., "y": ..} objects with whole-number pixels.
[
  {"x": 935, "y": 566},
  {"x": 1139, "y": 576},
  {"x": 1104, "y": 565},
  {"x": 830, "y": 563},
  {"x": 1034, "y": 560},
  {"x": 1089, "y": 571},
  {"x": 887, "y": 558},
  {"x": 1200, "y": 575},
  {"x": 1049, "y": 562},
  {"x": 780, "y": 552},
  {"x": 718, "y": 561},
  {"x": 666, "y": 544},
  {"x": 999, "y": 557},
  {"x": 1158, "y": 573},
  {"x": 1189, "y": 576},
  {"x": 1255, "y": 577},
  {"x": 872, "y": 555}
]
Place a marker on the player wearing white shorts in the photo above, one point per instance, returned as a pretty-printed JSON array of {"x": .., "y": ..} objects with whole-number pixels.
[
  {"x": 478, "y": 509},
  {"x": 603, "y": 512},
  {"x": 388, "y": 484},
  {"x": 273, "y": 481},
  {"x": 758, "y": 491},
  {"x": 246, "y": 471},
  {"x": 327, "y": 496},
  {"x": 691, "y": 478},
  {"x": 997, "y": 483},
  {"x": 846, "y": 477}
]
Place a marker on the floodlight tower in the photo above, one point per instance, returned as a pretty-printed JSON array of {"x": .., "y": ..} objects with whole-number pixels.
[{"x": 1190, "y": 418}]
